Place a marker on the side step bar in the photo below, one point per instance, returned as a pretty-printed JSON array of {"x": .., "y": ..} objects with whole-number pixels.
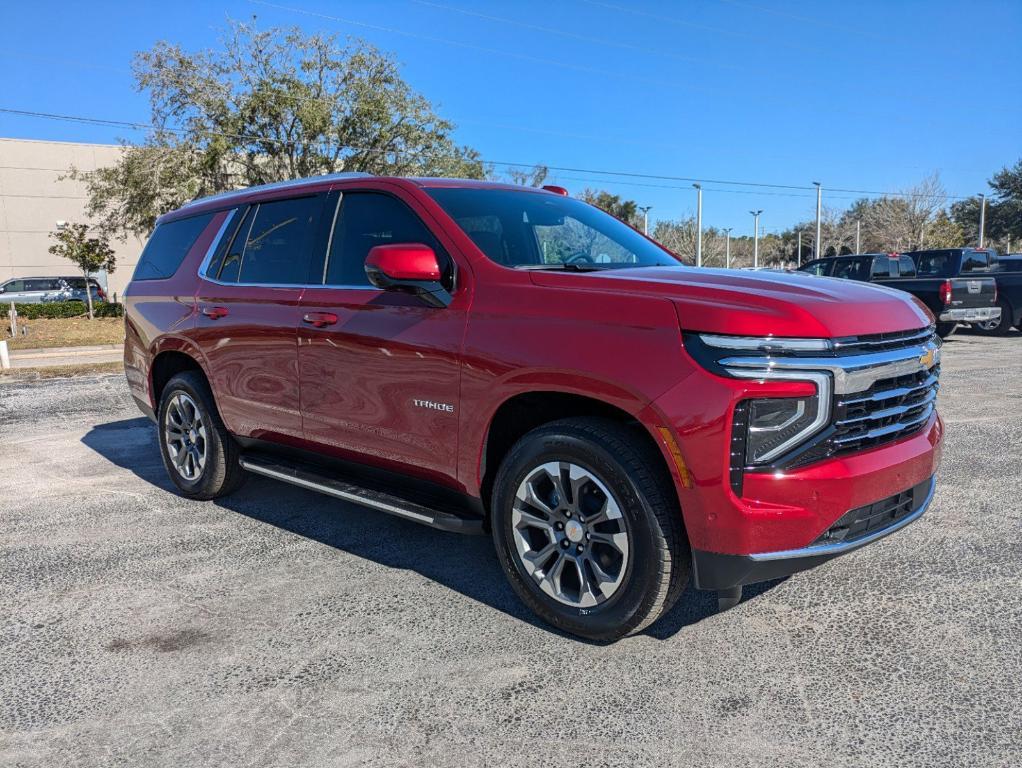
[{"x": 311, "y": 478}]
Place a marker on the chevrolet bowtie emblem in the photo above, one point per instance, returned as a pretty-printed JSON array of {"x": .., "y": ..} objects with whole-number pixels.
[{"x": 926, "y": 359}]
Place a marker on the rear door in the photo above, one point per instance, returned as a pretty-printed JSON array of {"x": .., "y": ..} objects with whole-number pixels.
[
  {"x": 247, "y": 303},
  {"x": 380, "y": 370}
]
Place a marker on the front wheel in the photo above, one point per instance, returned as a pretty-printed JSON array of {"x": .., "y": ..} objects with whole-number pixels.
[{"x": 588, "y": 530}]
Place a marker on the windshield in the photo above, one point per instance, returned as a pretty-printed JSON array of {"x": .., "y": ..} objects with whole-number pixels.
[{"x": 530, "y": 230}]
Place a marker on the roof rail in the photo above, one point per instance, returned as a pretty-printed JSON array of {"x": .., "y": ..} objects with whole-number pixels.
[{"x": 276, "y": 185}]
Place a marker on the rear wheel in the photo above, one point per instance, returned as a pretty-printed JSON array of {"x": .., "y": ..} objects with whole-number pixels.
[
  {"x": 998, "y": 327},
  {"x": 945, "y": 329},
  {"x": 587, "y": 528},
  {"x": 199, "y": 454}
]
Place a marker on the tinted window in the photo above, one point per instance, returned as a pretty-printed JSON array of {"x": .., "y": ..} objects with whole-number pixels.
[
  {"x": 933, "y": 264},
  {"x": 13, "y": 286},
  {"x": 816, "y": 267},
  {"x": 1009, "y": 265},
  {"x": 235, "y": 247},
  {"x": 906, "y": 267},
  {"x": 168, "y": 247},
  {"x": 367, "y": 219},
  {"x": 881, "y": 267},
  {"x": 538, "y": 229},
  {"x": 975, "y": 261},
  {"x": 43, "y": 284},
  {"x": 850, "y": 269},
  {"x": 278, "y": 247}
]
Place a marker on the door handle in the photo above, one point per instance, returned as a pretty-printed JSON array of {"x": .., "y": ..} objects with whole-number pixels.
[
  {"x": 320, "y": 319},
  {"x": 214, "y": 313}
]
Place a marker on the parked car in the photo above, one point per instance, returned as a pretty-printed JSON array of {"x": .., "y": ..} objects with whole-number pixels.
[
  {"x": 482, "y": 357},
  {"x": 35, "y": 290},
  {"x": 1007, "y": 271},
  {"x": 953, "y": 288}
]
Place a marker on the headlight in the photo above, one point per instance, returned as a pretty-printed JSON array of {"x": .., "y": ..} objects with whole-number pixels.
[
  {"x": 776, "y": 424},
  {"x": 766, "y": 429}
]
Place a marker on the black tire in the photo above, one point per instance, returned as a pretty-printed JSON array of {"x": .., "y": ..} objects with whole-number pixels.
[
  {"x": 945, "y": 329},
  {"x": 221, "y": 472},
  {"x": 658, "y": 564},
  {"x": 1002, "y": 327}
]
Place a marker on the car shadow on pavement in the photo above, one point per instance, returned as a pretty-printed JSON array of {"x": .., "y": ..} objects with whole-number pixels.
[{"x": 466, "y": 564}]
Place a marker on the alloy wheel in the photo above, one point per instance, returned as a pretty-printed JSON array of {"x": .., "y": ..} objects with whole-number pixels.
[
  {"x": 185, "y": 436},
  {"x": 570, "y": 534}
]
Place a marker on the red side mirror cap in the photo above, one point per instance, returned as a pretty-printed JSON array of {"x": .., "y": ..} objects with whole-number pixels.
[{"x": 402, "y": 262}]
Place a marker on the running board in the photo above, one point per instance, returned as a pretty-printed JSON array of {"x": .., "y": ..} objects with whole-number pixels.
[{"x": 313, "y": 479}]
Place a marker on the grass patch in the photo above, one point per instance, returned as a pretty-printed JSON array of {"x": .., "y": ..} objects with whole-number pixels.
[
  {"x": 60, "y": 371},
  {"x": 66, "y": 332}
]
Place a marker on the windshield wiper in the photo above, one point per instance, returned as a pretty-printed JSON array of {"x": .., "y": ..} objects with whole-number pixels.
[{"x": 567, "y": 267}]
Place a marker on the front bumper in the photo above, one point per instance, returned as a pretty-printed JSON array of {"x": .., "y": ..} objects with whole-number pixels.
[
  {"x": 970, "y": 315},
  {"x": 715, "y": 571}
]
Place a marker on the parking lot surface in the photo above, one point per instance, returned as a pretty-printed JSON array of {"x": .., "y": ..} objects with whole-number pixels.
[{"x": 278, "y": 627}]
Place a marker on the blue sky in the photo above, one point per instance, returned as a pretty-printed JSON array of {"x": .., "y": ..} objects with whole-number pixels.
[{"x": 862, "y": 96}]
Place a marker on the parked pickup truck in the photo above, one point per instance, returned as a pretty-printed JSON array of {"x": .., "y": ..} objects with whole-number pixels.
[
  {"x": 481, "y": 357},
  {"x": 953, "y": 288}
]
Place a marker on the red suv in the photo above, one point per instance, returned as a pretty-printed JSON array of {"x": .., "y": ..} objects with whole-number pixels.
[{"x": 484, "y": 357}]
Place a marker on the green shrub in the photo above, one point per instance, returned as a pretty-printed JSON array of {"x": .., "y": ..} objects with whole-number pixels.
[{"x": 62, "y": 309}]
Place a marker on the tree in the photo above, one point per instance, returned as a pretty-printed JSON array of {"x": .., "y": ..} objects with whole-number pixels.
[
  {"x": 89, "y": 253},
  {"x": 268, "y": 106},
  {"x": 1004, "y": 209},
  {"x": 528, "y": 177},
  {"x": 626, "y": 210}
]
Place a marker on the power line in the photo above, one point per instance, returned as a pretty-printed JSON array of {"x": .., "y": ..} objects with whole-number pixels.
[
  {"x": 484, "y": 49},
  {"x": 504, "y": 163}
]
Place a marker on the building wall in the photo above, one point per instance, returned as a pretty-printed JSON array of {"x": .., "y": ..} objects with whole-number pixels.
[{"x": 33, "y": 199}]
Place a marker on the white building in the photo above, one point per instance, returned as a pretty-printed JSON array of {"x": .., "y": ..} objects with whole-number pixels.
[{"x": 33, "y": 199}]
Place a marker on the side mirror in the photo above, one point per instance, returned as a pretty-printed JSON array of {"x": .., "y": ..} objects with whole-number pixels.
[{"x": 408, "y": 267}]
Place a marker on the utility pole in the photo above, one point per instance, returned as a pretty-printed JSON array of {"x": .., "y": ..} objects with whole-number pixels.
[
  {"x": 727, "y": 247},
  {"x": 799, "y": 257},
  {"x": 755, "y": 237},
  {"x": 699, "y": 224},
  {"x": 819, "y": 207},
  {"x": 645, "y": 218},
  {"x": 858, "y": 226},
  {"x": 982, "y": 217}
]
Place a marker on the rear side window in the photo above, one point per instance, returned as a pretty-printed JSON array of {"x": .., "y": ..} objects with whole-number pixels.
[
  {"x": 933, "y": 264},
  {"x": 850, "y": 269},
  {"x": 906, "y": 267},
  {"x": 975, "y": 261},
  {"x": 273, "y": 245},
  {"x": 168, "y": 247},
  {"x": 367, "y": 219},
  {"x": 881, "y": 267}
]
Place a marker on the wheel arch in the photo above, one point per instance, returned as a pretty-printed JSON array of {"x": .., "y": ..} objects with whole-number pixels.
[{"x": 525, "y": 411}]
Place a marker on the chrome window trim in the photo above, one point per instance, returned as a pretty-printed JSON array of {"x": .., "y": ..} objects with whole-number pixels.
[
  {"x": 847, "y": 546},
  {"x": 204, "y": 264},
  {"x": 851, "y": 374}
]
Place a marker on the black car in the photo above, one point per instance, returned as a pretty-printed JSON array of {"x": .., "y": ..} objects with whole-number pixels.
[
  {"x": 1008, "y": 274},
  {"x": 955, "y": 288}
]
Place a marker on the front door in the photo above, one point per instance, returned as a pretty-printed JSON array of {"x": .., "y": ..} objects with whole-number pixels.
[
  {"x": 247, "y": 321},
  {"x": 380, "y": 370}
]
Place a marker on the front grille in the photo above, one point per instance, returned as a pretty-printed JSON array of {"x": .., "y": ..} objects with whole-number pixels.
[
  {"x": 877, "y": 516},
  {"x": 881, "y": 342},
  {"x": 889, "y": 410}
]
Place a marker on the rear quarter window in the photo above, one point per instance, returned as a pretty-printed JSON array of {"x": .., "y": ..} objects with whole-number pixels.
[
  {"x": 975, "y": 261},
  {"x": 168, "y": 246}
]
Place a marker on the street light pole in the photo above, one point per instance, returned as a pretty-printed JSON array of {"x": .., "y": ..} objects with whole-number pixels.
[
  {"x": 858, "y": 225},
  {"x": 982, "y": 218},
  {"x": 727, "y": 247},
  {"x": 645, "y": 218},
  {"x": 755, "y": 237},
  {"x": 799, "y": 257},
  {"x": 819, "y": 206},
  {"x": 699, "y": 224}
]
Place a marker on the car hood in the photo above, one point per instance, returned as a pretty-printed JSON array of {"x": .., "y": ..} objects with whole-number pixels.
[{"x": 760, "y": 303}]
